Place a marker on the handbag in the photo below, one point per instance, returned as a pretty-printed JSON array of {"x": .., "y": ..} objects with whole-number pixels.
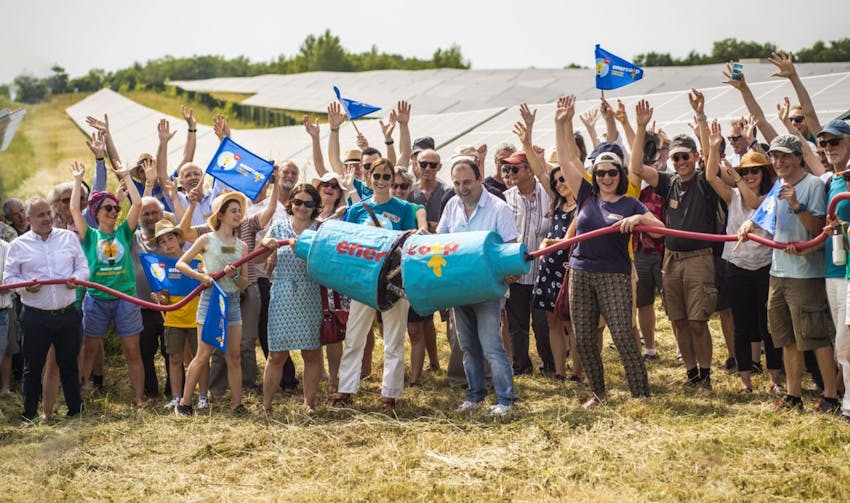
[
  {"x": 562, "y": 301},
  {"x": 333, "y": 319}
]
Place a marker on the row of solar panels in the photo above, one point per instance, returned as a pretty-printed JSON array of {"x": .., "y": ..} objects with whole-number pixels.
[
  {"x": 134, "y": 126},
  {"x": 9, "y": 121}
]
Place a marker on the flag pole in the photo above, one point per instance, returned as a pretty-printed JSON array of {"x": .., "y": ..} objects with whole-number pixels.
[{"x": 355, "y": 127}]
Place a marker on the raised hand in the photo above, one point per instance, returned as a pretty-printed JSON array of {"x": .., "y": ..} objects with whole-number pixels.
[
  {"x": 738, "y": 84},
  {"x": 347, "y": 181},
  {"x": 715, "y": 136},
  {"x": 643, "y": 113},
  {"x": 335, "y": 115},
  {"x": 784, "y": 62},
  {"x": 750, "y": 130},
  {"x": 168, "y": 189},
  {"x": 482, "y": 152},
  {"x": 221, "y": 127},
  {"x": 98, "y": 144},
  {"x": 523, "y": 133},
  {"x": 527, "y": 115},
  {"x": 194, "y": 195},
  {"x": 362, "y": 142},
  {"x": 120, "y": 171},
  {"x": 388, "y": 128},
  {"x": 620, "y": 113},
  {"x": 650, "y": 129},
  {"x": 605, "y": 109},
  {"x": 188, "y": 117},
  {"x": 163, "y": 129},
  {"x": 78, "y": 170},
  {"x": 697, "y": 101},
  {"x": 149, "y": 169},
  {"x": 566, "y": 109},
  {"x": 403, "y": 112},
  {"x": 589, "y": 118},
  {"x": 312, "y": 128},
  {"x": 100, "y": 125}
]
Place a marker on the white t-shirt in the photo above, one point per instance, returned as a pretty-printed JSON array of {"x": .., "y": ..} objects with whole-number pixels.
[{"x": 749, "y": 255}]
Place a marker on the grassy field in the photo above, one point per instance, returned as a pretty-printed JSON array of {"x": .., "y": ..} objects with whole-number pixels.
[{"x": 678, "y": 446}]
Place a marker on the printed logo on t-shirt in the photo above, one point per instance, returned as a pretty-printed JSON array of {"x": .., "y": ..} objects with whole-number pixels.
[
  {"x": 614, "y": 216},
  {"x": 110, "y": 251},
  {"x": 383, "y": 219}
]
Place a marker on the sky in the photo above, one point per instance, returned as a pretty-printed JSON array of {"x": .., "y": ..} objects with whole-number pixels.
[{"x": 113, "y": 34}]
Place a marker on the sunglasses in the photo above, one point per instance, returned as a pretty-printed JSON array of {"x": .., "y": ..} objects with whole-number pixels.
[
  {"x": 402, "y": 186},
  {"x": 367, "y": 166},
  {"x": 599, "y": 173},
  {"x": 734, "y": 138},
  {"x": 746, "y": 171},
  {"x": 427, "y": 164},
  {"x": 329, "y": 184},
  {"x": 385, "y": 176},
  {"x": 683, "y": 157},
  {"x": 832, "y": 142},
  {"x": 109, "y": 208},
  {"x": 798, "y": 118},
  {"x": 560, "y": 179},
  {"x": 507, "y": 168},
  {"x": 298, "y": 202}
]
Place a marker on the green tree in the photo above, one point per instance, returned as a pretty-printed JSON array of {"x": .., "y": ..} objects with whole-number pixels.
[
  {"x": 29, "y": 89},
  {"x": 58, "y": 82}
]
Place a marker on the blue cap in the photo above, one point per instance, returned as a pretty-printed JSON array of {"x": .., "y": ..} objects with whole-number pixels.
[
  {"x": 606, "y": 146},
  {"x": 836, "y": 128}
]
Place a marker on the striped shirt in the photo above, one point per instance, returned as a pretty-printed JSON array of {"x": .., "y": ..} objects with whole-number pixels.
[{"x": 531, "y": 222}]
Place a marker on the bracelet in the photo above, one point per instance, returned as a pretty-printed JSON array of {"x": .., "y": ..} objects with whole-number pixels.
[
  {"x": 739, "y": 180},
  {"x": 389, "y": 142},
  {"x": 701, "y": 118},
  {"x": 335, "y": 129},
  {"x": 193, "y": 130}
]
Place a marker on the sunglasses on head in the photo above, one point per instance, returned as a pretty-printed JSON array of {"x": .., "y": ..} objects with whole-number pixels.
[
  {"x": 402, "y": 186},
  {"x": 507, "y": 168},
  {"x": 797, "y": 118},
  {"x": 832, "y": 142},
  {"x": 299, "y": 202},
  {"x": 685, "y": 156},
  {"x": 428, "y": 164},
  {"x": 109, "y": 208},
  {"x": 385, "y": 176},
  {"x": 599, "y": 173},
  {"x": 734, "y": 137},
  {"x": 746, "y": 171},
  {"x": 329, "y": 184}
]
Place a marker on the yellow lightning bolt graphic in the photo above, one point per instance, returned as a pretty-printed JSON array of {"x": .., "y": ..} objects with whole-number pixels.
[{"x": 436, "y": 262}]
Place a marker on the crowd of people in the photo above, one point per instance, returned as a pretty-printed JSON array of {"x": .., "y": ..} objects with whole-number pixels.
[{"x": 789, "y": 305}]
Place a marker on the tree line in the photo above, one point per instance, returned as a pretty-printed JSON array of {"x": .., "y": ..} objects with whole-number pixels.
[{"x": 731, "y": 49}]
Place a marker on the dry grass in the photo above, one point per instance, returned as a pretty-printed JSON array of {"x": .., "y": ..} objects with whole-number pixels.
[{"x": 710, "y": 446}]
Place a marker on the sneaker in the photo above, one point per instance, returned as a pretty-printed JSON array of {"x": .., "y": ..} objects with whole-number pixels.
[
  {"x": 788, "y": 402},
  {"x": 828, "y": 405},
  {"x": 173, "y": 403},
  {"x": 467, "y": 406},
  {"x": 500, "y": 410},
  {"x": 203, "y": 402},
  {"x": 731, "y": 365},
  {"x": 183, "y": 410}
]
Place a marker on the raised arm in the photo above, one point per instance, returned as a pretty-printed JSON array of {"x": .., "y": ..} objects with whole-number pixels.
[
  {"x": 103, "y": 126},
  {"x": 221, "y": 127},
  {"x": 623, "y": 118},
  {"x": 387, "y": 130},
  {"x": 712, "y": 167},
  {"x": 189, "y": 234},
  {"x": 404, "y": 147},
  {"x": 133, "y": 193},
  {"x": 568, "y": 157},
  {"x": 589, "y": 120},
  {"x": 313, "y": 131},
  {"x": 611, "y": 133},
  {"x": 750, "y": 101},
  {"x": 697, "y": 101},
  {"x": 784, "y": 61},
  {"x": 163, "y": 130},
  {"x": 643, "y": 114},
  {"x": 812, "y": 160},
  {"x": 266, "y": 215},
  {"x": 97, "y": 147},
  {"x": 78, "y": 170},
  {"x": 523, "y": 130},
  {"x": 335, "y": 120},
  {"x": 191, "y": 138},
  {"x": 150, "y": 169}
]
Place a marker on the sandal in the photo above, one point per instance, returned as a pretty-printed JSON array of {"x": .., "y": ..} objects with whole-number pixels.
[
  {"x": 388, "y": 404},
  {"x": 341, "y": 401},
  {"x": 574, "y": 378}
]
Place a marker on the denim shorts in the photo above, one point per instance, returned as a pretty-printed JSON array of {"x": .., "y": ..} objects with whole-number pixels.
[
  {"x": 98, "y": 314},
  {"x": 234, "y": 308}
]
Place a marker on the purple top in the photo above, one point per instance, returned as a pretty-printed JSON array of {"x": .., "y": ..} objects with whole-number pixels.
[{"x": 608, "y": 253}]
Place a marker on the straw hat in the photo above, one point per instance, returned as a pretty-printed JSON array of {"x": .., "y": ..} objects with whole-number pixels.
[
  {"x": 164, "y": 227},
  {"x": 221, "y": 200}
]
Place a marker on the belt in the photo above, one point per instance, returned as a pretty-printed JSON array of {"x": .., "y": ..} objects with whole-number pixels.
[
  {"x": 676, "y": 255},
  {"x": 52, "y": 312}
]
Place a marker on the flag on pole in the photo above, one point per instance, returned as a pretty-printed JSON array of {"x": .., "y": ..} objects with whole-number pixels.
[
  {"x": 162, "y": 274},
  {"x": 239, "y": 168},
  {"x": 765, "y": 214},
  {"x": 613, "y": 71},
  {"x": 215, "y": 324},
  {"x": 354, "y": 109}
]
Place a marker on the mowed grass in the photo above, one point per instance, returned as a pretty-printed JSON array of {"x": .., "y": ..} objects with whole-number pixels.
[{"x": 678, "y": 446}]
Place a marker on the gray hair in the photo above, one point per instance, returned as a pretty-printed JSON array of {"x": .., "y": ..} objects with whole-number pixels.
[
  {"x": 57, "y": 191},
  {"x": 503, "y": 147},
  {"x": 404, "y": 173},
  {"x": 32, "y": 201},
  {"x": 8, "y": 204},
  {"x": 146, "y": 200},
  {"x": 429, "y": 151}
]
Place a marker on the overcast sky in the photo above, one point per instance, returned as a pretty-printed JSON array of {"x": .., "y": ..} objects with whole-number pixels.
[{"x": 112, "y": 34}]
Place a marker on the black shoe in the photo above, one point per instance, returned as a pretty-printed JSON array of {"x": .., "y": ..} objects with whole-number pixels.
[
  {"x": 183, "y": 410},
  {"x": 756, "y": 368},
  {"x": 523, "y": 371},
  {"x": 240, "y": 410},
  {"x": 648, "y": 358},
  {"x": 788, "y": 402},
  {"x": 828, "y": 406},
  {"x": 731, "y": 365}
]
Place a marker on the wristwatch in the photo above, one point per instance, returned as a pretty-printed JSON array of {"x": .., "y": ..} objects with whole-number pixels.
[{"x": 801, "y": 208}]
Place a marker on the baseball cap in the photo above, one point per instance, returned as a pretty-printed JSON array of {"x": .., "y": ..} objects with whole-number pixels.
[
  {"x": 518, "y": 157},
  {"x": 424, "y": 143},
  {"x": 787, "y": 143},
  {"x": 836, "y": 128},
  {"x": 682, "y": 143}
]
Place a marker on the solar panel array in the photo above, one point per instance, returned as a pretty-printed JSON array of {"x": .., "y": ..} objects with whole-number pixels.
[{"x": 9, "y": 121}]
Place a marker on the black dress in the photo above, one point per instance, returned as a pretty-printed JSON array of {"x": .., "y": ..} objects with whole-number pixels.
[{"x": 552, "y": 266}]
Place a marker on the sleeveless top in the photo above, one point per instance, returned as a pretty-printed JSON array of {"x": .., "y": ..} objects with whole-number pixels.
[{"x": 219, "y": 255}]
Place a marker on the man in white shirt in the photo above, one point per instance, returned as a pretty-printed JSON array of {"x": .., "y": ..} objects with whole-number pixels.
[{"x": 48, "y": 317}]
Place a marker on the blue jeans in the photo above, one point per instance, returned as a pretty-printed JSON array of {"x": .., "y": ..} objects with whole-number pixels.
[
  {"x": 4, "y": 331},
  {"x": 480, "y": 337}
]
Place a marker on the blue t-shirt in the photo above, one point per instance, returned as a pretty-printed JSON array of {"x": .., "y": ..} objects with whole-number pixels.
[
  {"x": 842, "y": 210},
  {"x": 394, "y": 214},
  {"x": 789, "y": 228},
  {"x": 608, "y": 253},
  {"x": 362, "y": 190}
]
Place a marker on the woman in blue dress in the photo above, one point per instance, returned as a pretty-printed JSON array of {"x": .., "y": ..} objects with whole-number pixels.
[{"x": 295, "y": 308}]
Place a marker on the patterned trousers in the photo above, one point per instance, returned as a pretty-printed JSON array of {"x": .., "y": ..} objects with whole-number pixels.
[{"x": 608, "y": 294}]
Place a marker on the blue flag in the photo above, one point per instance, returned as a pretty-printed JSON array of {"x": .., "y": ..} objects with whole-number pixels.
[
  {"x": 215, "y": 324},
  {"x": 765, "y": 214},
  {"x": 354, "y": 109},
  {"x": 613, "y": 71},
  {"x": 162, "y": 274},
  {"x": 240, "y": 169}
]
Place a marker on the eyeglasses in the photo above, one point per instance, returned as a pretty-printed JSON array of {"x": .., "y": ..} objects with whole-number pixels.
[
  {"x": 427, "y": 164},
  {"x": 329, "y": 184},
  {"x": 832, "y": 142},
  {"x": 686, "y": 156},
  {"x": 746, "y": 171},
  {"x": 367, "y": 166},
  {"x": 109, "y": 208},
  {"x": 797, "y": 118},
  {"x": 599, "y": 173},
  {"x": 734, "y": 138},
  {"x": 402, "y": 186},
  {"x": 385, "y": 176},
  {"x": 507, "y": 168},
  {"x": 299, "y": 202}
]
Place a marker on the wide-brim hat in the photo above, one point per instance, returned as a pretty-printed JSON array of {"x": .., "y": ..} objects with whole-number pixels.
[
  {"x": 221, "y": 200},
  {"x": 753, "y": 159},
  {"x": 330, "y": 175},
  {"x": 164, "y": 227}
]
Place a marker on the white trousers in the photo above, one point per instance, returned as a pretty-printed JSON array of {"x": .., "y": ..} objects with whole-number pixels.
[{"x": 360, "y": 318}]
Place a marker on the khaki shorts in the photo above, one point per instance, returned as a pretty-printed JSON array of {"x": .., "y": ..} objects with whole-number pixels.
[
  {"x": 176, "y": 337},
  {"x": 689, "y": 290},
  {"x": 798, "y": 313}
]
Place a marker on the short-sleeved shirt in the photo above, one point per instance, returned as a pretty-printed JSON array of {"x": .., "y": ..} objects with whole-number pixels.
[
  {"x": 531, "y": 222},
  {"x": 363, "y": 191},
  {"x": 110, "y": 260},
  {"x": 789, "y": 228},
  {"x": 842, "y": 210},
  {"x": 491, "y": 214},
  {"x": 141, "y": 244},
  {"x": 393, "y": 214},
  {"x": 608, "y": 253},
  {"x": 691, "y": 206},
  {"x": 433, "y": 208}
]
